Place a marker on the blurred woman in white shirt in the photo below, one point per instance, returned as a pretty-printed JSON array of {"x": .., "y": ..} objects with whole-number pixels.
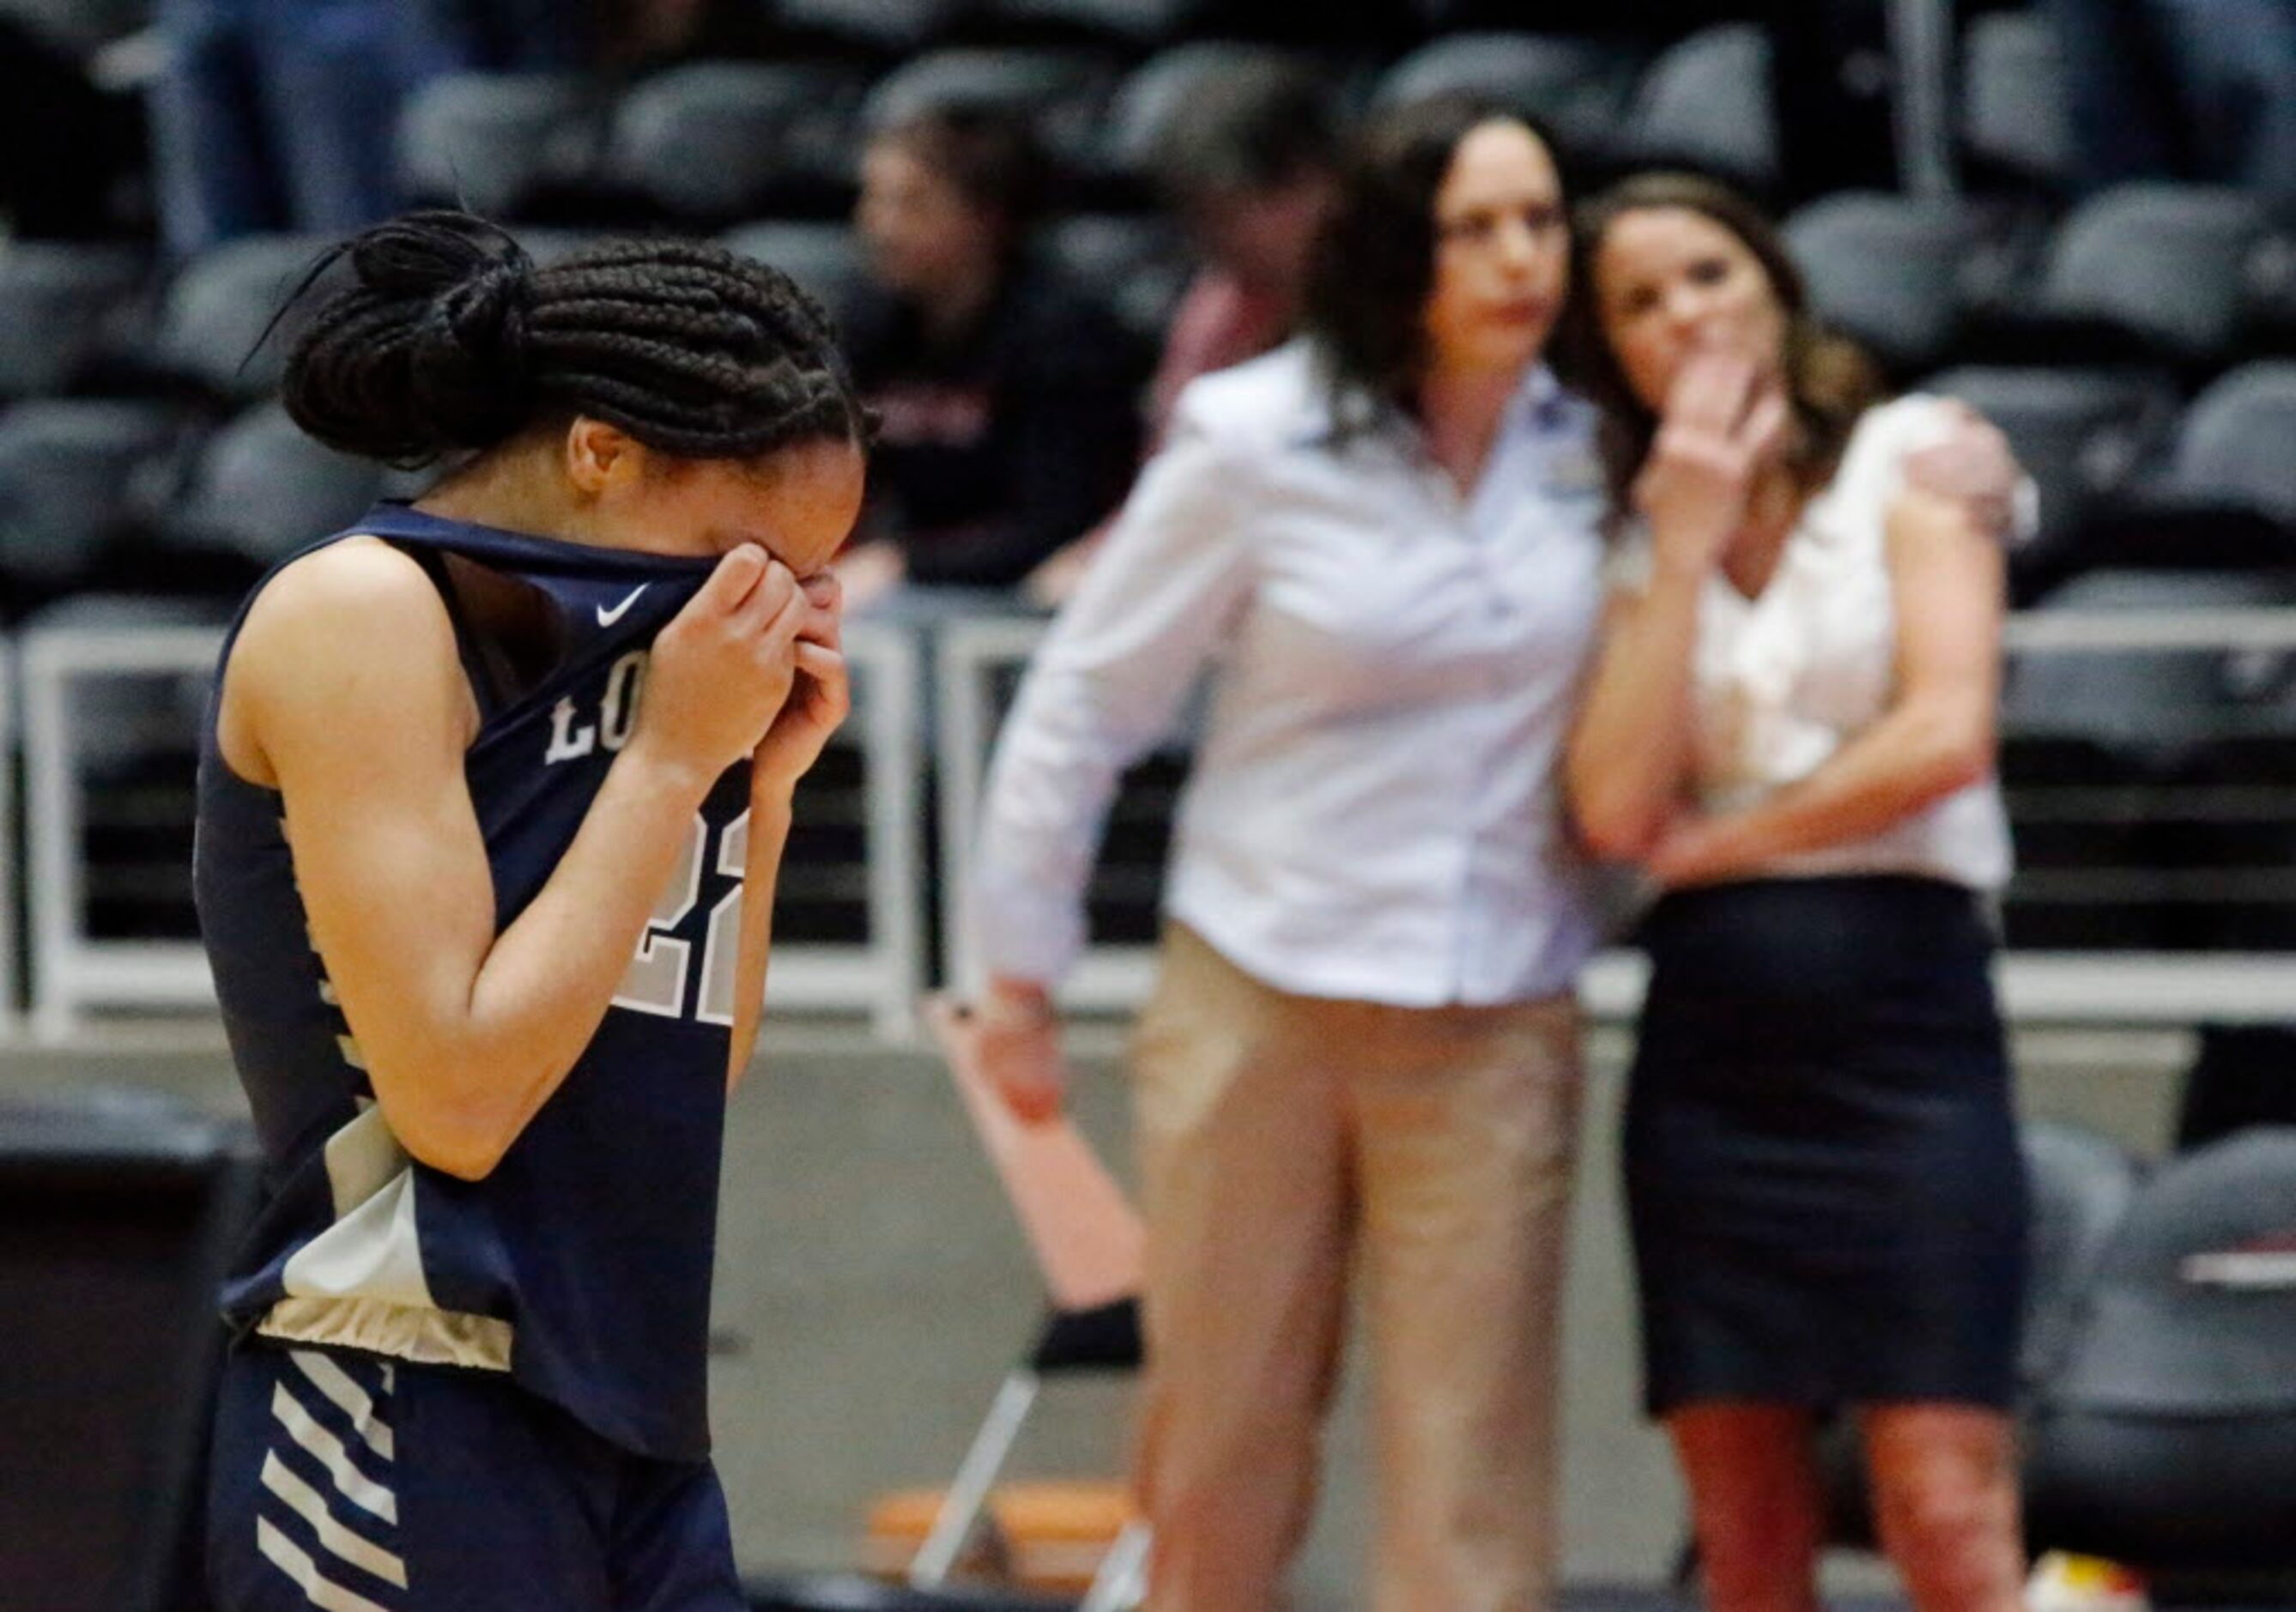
[
  {"x": 1381, "y": 542},
  {"x": 1792, "y": 728}
]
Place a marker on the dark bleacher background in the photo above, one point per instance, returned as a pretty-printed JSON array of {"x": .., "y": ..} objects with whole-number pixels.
[{"x": 2138, "y": 346}]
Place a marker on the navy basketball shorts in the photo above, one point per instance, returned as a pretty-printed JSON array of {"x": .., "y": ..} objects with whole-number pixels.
[{"x": 352, "y": 1485}]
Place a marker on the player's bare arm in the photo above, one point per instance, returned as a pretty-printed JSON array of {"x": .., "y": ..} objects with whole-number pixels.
[{"x": 345, "y": 692}]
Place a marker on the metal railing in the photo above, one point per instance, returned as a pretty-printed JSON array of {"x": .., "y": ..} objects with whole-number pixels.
[
  {"x": 66, "y": 671},
  {"x": 10, "y": 1027},
  {"x": 69, "y": 680},
  {"x": 2135, "y": 987},
  {"x": 71, "y": 969}
]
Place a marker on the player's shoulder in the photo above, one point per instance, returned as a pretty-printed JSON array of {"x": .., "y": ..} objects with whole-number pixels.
[{"x": 356, "y": 598}]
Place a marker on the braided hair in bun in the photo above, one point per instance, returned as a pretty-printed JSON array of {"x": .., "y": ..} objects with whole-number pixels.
[{"x": 449, "y": 339}]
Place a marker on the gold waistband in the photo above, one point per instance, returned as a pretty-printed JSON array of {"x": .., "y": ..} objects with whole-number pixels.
[{"x": 420, "y": 1335}]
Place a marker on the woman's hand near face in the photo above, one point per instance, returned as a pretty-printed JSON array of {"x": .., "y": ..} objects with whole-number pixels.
[
  {"x": 820, "y": 697},
  {"x": 1973, "y": 466},
  {"x": 1724, "y": 420},
  {"x": 723, "y": 669}
]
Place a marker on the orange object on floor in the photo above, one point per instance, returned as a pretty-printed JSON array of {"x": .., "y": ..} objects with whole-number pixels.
[{"x": 1047, "y": 1535}]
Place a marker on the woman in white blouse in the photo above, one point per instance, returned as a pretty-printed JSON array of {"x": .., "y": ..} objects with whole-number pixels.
[
  {"x": 1362, "y": 1052},
  {"x": 1792, "y": 728}
]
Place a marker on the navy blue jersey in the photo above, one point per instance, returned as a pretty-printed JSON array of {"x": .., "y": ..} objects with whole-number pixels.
[{"x": 581, "y": 1264}]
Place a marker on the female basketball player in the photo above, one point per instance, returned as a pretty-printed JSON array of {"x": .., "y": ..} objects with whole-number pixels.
[{"x": 494, "y": 789}]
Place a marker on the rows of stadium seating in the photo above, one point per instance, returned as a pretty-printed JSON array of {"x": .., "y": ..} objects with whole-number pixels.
[
  {"x": 2126, "y": 342},
  {"x": 2138, "y": 347},
  {"x": 140, "y": 447}
]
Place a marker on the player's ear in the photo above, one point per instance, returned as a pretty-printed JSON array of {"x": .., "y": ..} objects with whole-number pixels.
[{"x": 602, "y": 458}]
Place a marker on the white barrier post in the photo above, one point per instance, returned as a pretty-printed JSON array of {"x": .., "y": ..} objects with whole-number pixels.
[{"x": 11, "y": 1024}]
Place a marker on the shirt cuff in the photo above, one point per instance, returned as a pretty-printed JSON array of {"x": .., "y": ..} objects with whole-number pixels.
[{"x": 1022, "y": 934}]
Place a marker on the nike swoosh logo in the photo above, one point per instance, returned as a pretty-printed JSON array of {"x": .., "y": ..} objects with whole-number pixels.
[{"x": 607, "y": 618}]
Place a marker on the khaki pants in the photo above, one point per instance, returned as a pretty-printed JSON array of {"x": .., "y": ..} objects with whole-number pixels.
[{"x": 1281, "y": 1138}]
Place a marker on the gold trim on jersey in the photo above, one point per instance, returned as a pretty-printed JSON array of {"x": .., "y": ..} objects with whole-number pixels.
[{"x": 414, "y": 1333}]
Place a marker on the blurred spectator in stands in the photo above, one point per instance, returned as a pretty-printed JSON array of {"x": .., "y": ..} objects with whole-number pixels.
[
  {"x": 1248, "y": 162},
  {"x": 281, "y": 114},
  {"x": 71, "y": 149},
  {"x": 2188, "y": 89},
  {"x": 1007, "y": 395}
]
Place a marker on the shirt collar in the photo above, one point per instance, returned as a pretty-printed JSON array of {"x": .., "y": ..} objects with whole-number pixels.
[{"x": 1540, "y": 403}]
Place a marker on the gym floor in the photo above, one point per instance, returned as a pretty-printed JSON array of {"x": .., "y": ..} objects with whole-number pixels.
[{"x": 874, "y": 1289}]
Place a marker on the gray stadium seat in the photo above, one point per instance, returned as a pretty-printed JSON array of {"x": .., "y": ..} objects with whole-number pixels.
[
  {"x": 1706, "y": 102},
  {"x": 66, "y": 470},
  {"x": 493, "y": 141},
  {"x": 824, "y": 258},
  {"x": 216, "y": 310},
  {"x": 261, "y": 489},
  {"x": 2237, "y": 441},
  {"x": 1142, "y": 109},
  {"x": 885, "y": 28},
  {"x": 1137, "y": 265},
  {"x": 1577, "y": 87},
  {"x": 2013, "y": 121},
  {"x": 2083, "y": 435},
  {"x": 1887, "y": 269},
  {"x": 2082, "y": 1186},
  {"x": 716, "y": 141},
  {"x": 2226, "y": 497},
  {"x": 2169, "y": 1438},
  {"x": 58, "y": 304},
  {"x": 2167, "y": 264},
  {"x": 1064, "y": 94},
  {"x": 2157, "y": 704}
]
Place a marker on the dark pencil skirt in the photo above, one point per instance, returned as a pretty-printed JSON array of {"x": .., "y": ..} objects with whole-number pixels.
[{"x": 1821, "y": 1168}]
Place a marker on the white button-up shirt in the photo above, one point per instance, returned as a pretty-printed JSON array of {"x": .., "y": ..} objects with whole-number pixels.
[
  {"x": 1784, "y": 681},
  {"x": 1374, "y": 812}
]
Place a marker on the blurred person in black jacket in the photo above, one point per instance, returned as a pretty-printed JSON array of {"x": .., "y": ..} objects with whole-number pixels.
[{"x": 1006, "y": 393}]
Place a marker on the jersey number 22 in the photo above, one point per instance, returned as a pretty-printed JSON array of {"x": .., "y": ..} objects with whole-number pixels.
[{"x": 656, "y": 980}]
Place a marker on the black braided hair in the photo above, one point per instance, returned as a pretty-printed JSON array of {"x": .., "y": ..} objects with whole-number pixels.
[{"x": 449, "y": 338}]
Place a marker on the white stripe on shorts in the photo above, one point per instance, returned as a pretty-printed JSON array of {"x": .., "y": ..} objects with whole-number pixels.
[
  {"x": 354, "y": 1486},
  {"x": 296, "y": 1563},
  {"x": 331, "y": 1380},
  {"x": 336, "y": 1540}
]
